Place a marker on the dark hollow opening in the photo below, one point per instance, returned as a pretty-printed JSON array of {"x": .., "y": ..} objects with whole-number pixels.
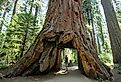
[
  {"x": 76, "y": 13},
  {"x": 76, "y": 0}
]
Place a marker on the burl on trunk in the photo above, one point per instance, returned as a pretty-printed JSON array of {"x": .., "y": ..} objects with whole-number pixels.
[{"x": 63, "y": 26}]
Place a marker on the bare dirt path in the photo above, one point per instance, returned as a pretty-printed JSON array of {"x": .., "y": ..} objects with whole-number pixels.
[{"x": 74, "y": 75}]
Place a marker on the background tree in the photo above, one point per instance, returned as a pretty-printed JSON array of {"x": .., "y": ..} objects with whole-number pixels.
[
  {"x": 95, "y": 27},
  {"x": 113, "y": 29},
  {"x": 13, "y": 43},
  {"x": 118, "y": 10}
]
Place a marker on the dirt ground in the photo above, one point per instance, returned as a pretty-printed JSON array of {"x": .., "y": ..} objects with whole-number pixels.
[
  {"x": 74, "y": 75},
  {"x": 117, "y": 77}
]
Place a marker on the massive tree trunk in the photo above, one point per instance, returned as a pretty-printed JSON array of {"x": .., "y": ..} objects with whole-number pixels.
[
  {"x": 63, "y": 28},
  {"x": 114, "y": 30}
]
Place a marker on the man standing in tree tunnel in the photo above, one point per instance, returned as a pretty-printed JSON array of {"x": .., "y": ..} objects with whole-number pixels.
[{"x": 66, "y": 62}]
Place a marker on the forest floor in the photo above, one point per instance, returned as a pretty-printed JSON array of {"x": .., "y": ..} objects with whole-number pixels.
[{"x": 73, "y": 76}]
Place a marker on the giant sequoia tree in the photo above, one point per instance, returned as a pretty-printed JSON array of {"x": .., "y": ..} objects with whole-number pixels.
[
  {"x": 114, "y": 30},
  {"x": 63, "y": 27}
]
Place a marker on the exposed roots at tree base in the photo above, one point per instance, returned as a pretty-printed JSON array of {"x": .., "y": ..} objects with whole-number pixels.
[{"x": 45, "y": 56}]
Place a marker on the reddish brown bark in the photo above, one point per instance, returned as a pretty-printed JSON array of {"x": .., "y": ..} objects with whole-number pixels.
[{"x": 63, "y": 28}]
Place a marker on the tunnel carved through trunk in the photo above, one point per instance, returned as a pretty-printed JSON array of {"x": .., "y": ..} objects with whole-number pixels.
[{"x": 63, "y": 27}]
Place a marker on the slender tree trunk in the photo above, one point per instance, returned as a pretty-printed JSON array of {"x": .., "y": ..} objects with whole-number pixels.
[
  {"x": 114, "y": 30},
  {"x": 99, "y": 47},
  {"x": 35, "y": 17},
  {"x": 93, "y": 31},
  {"x": 63, "y": 28},
  {"x": 25, "y": 8},
  {"x": 31, "y": 7},
  {"x": 90, "y": 22},
  {"x": 24, "y": 41},
  {"x": 14, "y": 10},
  {"x": 1, "y": 25},
  {"x": 26, "y": 32}
]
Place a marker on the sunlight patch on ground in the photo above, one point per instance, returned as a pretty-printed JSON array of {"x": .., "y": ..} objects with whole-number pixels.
[{"x": 63, "y": 71}]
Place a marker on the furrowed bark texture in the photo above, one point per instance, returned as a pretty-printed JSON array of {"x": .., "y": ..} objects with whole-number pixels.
[
  {"x": 63, "y": 28},
  {"x": 114, "y": 30}
]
